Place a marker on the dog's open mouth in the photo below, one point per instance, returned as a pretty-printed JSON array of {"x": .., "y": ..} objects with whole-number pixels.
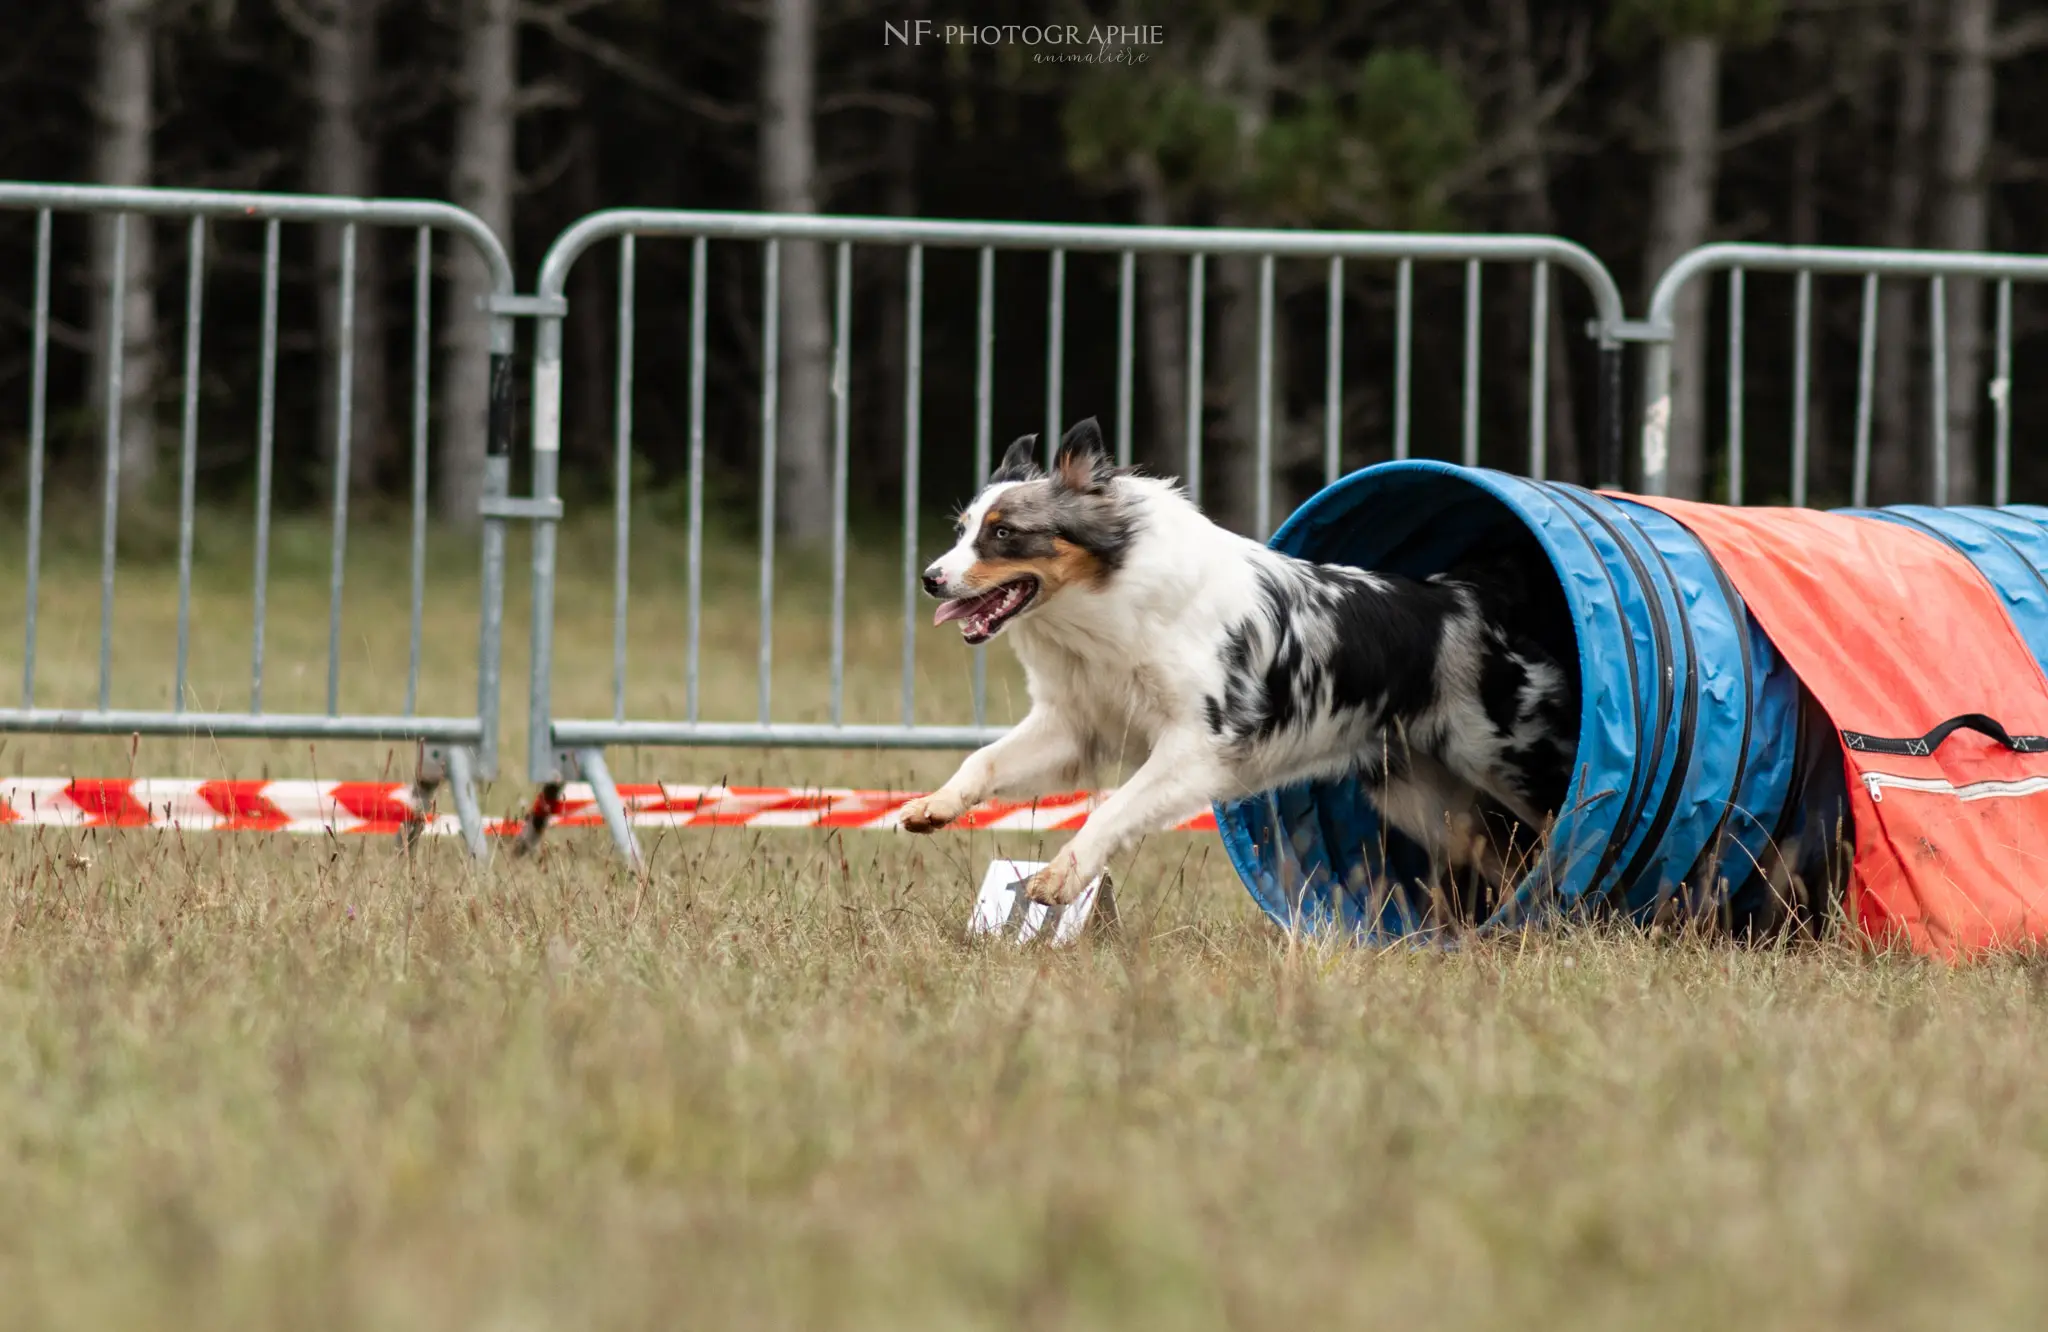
[{"x": 985, "y": 612}]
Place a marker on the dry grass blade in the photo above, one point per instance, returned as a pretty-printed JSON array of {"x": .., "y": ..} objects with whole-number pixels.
[{"x": 322, "y": 1083}]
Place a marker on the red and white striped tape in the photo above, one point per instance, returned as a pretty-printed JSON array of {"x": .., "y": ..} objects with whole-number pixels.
[{"x": 386, "y": 807}]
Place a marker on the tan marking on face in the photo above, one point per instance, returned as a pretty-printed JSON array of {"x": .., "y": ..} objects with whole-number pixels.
[
  {"x": 992, "y": 516},
  {"x": 1076, "y": 564},
  {"x": 1069, "y": 566}
]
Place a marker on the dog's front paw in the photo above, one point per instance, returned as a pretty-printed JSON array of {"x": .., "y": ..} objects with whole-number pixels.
[
  {"x": 928, "y": 813},
  {"x": 1057, "y": 884}
]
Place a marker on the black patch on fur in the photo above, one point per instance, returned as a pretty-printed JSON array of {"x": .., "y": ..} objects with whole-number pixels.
[
  {"x": 1082, "y": 464},
  {"x": 1327, "y": 641},
  {"x": 1008, "y": 539},
  {"x": 1020, "y": 462},
  {"x": 1385, "y": 632}
]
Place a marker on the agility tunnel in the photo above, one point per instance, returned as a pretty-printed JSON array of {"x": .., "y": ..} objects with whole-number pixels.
[{"x": 1751, "y": 680}]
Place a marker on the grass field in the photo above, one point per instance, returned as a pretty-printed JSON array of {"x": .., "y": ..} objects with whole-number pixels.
[{"x": 311, "y": 1083}]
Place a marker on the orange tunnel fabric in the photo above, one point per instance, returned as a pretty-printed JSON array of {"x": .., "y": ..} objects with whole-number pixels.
[{"x": 1895, "y": 633}]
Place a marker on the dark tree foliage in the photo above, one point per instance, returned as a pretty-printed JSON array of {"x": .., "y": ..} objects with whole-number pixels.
[{"x": 1474, "y": 115}]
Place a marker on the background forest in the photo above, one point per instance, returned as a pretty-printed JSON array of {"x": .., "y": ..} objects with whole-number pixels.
[{"x": 1639, "y": 128}]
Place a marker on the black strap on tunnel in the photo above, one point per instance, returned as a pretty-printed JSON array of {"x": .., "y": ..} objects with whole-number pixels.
[
  {"x": 1688, "y": 710},
  {"x": 1667, "y": 695},
  {"x": 1738, "y": 615},
  {"x": 1919, "y": 746}
]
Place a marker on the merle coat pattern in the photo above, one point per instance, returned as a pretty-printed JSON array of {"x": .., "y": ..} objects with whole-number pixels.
[{"x": 1213, "y": 668}]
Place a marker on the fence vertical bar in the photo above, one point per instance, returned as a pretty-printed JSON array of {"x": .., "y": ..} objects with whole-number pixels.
[
  {"x": 984, "y": 393},
  {"x": 110, "y": 468},
  {"x": 771, "y": 364},
  {"x": 1333, "y": 376},
  {"x": 1055, "y": 349},
  {"x": 1802, "y": 354},
  {"x": 422, "y": 361},
  {"x": 1866, "y": 385},
  {"x": 1471, "y": 415},
  {"x": 345, "y": 334},
  {"x": 1737, "y": 464},
  {"x": 545, "y": 488},
  {"x": 1539, "y": 371},
  {"x": 1609, "y": 433},
  {"x": 1262, "y": 491},
  {"x": 1404, "y": 330},
  {"x": 913, "y": 429},
  {"x": 38, "y": 406},
  {"x": 2001, "y": 402},
  {"x": 699, "y": 268},
  {"x": 622, "y": 473},
  {"x": 1126, "y": 351},
  {"x": 1197, "y": 276},
  {"x": 266, "y": 441},
  {"x": 188, "y": 446},
  {"x": 1937, "y": 297},
  {"x": 842, "y": 336},
  {"x": 544, "y": 762}
]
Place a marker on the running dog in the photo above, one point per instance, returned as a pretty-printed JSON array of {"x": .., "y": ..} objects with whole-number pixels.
[{"x": 1220, "y": 668}]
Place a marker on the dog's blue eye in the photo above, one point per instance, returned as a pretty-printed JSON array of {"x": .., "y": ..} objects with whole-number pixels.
[{"x": 1002, "y": 534}]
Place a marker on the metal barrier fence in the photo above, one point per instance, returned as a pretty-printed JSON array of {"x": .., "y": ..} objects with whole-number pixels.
[
  {"x": 1804, "y": 263},
  {"x": 460, "y": 748},
  {"x": 457, "y": 748},
  {"x": 561, "y": 745}
]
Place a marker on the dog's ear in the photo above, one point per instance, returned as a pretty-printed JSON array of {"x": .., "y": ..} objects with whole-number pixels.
[
  {"x": 1083, "y": 463},
  {"x": 1020, "y": 462}
]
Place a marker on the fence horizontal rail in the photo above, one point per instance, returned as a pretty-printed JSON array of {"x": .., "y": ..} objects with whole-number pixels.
[
  {"x": 579, "y": 734},
  {"x": 253, "y": 207},
  {"x": 1061, "y": 236},
  {"x": 240, "y": 725}
]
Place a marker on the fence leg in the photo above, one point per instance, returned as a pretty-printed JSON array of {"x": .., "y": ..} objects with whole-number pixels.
[
  {"x": 1612, "y": 468},
  {"x": 462, "y": 782},
  {"x": 590, "y": 762},
  {"x": 539, "y": 815},
  {"x": 428, "y": 773}
]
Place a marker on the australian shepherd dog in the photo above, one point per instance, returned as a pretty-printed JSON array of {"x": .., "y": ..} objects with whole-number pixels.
[{"x": 1212, "y": 668}]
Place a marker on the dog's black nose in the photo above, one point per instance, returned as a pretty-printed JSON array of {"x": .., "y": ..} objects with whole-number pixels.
[{"x": 933, "y": 584}]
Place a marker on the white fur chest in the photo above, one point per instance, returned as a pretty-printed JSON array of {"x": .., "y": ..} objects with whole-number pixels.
[{"x": 1120, "y": 698}]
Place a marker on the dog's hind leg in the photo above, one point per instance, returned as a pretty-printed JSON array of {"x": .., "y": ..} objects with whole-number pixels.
[{"x": 1042, "y": 753}]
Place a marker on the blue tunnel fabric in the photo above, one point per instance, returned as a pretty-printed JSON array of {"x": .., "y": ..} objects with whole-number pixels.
[{"x": 1688, "y": 726}]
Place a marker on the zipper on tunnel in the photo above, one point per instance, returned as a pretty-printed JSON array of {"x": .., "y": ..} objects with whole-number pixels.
[{"x": 1876, "y": 782}]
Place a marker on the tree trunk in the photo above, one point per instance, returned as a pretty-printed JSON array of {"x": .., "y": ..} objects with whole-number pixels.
[
  {"x": 788, "y": 185},
  {"x": 1962, "y": 222},
  {"x": 1162, "y": 294},
  {"x": 591, "y": 373},
  {"x": 483, "y": 183},
  {"x": 1896, "y": 461},
  {"x": 899, "y": 199},
  {"x": 1802, "y": 227},
  {"x": 1529, "y": 178},
  {"x": 1241, "y": 72},
  {"x": 124, "y": 107},
  {"x": 1682, "y": 216},
  {"x": 344, "y": 60}
]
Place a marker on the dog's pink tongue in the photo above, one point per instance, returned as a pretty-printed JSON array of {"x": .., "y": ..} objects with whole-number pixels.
[{"x": 959, "y": 608}]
